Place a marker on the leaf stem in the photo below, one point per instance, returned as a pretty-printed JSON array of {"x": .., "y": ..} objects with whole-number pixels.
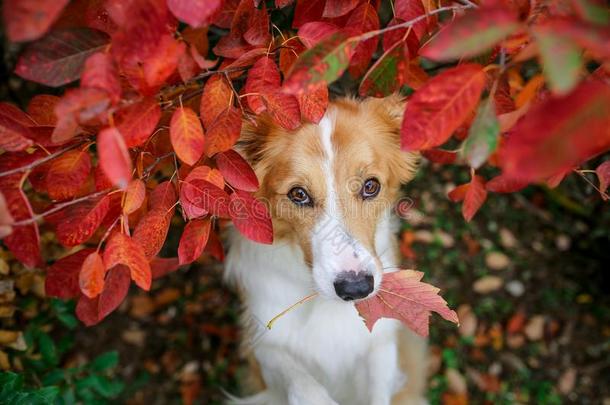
[{"x": 284, "y": 312}]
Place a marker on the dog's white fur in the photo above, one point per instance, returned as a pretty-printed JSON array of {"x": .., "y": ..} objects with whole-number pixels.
[{"x": 320, "y": 353}]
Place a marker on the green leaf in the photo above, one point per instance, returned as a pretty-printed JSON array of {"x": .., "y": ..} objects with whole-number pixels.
[
  {"x": 9, "y": 383},
  {"x": 561, "y": 60},
  {"x": 105, "y": 361},
  {"x": 46, "y": 395},
  {"x": 54, "y": 377},
  {"x": 106, "y": 387},
  {"x": 48, "y": 349},
  {"x": 483, "y": 135},
  {"x": 387, "y": 74},
  {"x": 592, "y": 12}
]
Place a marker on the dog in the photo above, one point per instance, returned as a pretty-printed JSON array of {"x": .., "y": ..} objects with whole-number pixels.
[{"x": 330, "y": 188}]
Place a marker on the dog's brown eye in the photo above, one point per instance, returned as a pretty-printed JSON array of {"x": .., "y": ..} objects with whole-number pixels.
[
  {"x": 299, "y": 196},
  {"x": 370, "y": 188}
]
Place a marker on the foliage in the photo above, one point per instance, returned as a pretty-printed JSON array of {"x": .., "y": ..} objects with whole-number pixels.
[
  {"x": 164, "y": 86},
  {"x": 50, "y": 376}
]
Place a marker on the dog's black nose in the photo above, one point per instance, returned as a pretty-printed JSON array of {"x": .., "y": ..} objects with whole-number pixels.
[{"x": 350, "y": 285}]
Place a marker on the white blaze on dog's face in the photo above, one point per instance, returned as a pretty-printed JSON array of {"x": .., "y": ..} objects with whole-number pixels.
[{"x": 329, "y": 185}]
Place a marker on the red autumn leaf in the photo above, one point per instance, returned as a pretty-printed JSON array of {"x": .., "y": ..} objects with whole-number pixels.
[
  {"x": 603, "y": 175},
  {"x": 440, "y": 106},
  {"x": 91, "y": 277},
  {"x": 134, "y": 196},
  {"x": 160, "y": 266},
  {"x": 59, "y": 57},
  {"x": 313, "y": 32},
  {"x": 187, "y": 67},
  {"x": 121, "y": 249},
  {"x": 251, "y": 217},
  {"x": 26, "y": 20},
  {"x": 199, "y": 197},
  {"x": 92, "y": 310},
  {"x": 258, "y": 28},
  {"x": 193, "y": 240},
  {"x": 459, "y": 192},
  {"x": 443, "y": 157},
  {"x": 558, "y": 134},
  {"x": 13, "y": 136},
  {"x": 407, "y": 10},
  {"x": 283, "y": 109},
  {"x": 62, "y": 277},
  {"x": 248, "y": 58},
  {"x": 100, "y": 72},
  {"x": 363, "y": 19},
  {"x": 407, "y": 38},
  {"x": 24, "y": 240},
  {"x": 214, "y": 247},
  {"x": 236, "y": 171},
  {"x": 501, "y": 184},
  {"x": 114, "y": 157},
  {"x": 475, "y": 32},
  {"x": 78, "y": 106},
  {"x": 151, "y": 231},
  {"x": 293, "y": 47},
  {"x": 403, "y": 296},
  {"x": 80, "y": 221},
  {"x": 224, "y": 132},
  {"x": 263, "y": 78},
  {"x": 42, "y": 109},
  {"x": 163, "y": 197},
  {"x": 14, "y": 113},
  {"x": 186, "y": 135},
  {"x": 195, "y": 13},
  {"x": 313, "y": 103},
  {"x": 337, "y": 8},
  {"x": 67, "y": 173},
  {"x": 137, "y": 122},
  {"x": 474, "y": 198},
  {"x": 216, "y": 99},
  {"x": 306, "y": 11}
]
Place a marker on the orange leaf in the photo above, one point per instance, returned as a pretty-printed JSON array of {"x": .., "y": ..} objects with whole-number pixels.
[
  {"x": 151, "y": 231},
  {"x": 404, "y": 297},
  {"x": 193, "y": 240},
  {"x": 91, "y": 277},
  {"x": 67, "y": 173},
  {"x": 62, "y": 280},
  {"x": 223, "y": 132},
  {"x": 134, "y": 196},
  {"x": 42, "y": 109},
  {"x": 474, "y": 198},
  {"x": 114, "y": 157},
  {"x": 216, "y": 98},
  {"x": 440, "y": 106},
  {"x": 208, "y": 174},
  {"x": 121, "y": 249},
  {"x": 458, "y": 193},
  {"x": 199, "y": 197},
  {"x": 163, "y": 197},
  {"x": 186, "y": 135},
  {"x": 313, "y": 103}
]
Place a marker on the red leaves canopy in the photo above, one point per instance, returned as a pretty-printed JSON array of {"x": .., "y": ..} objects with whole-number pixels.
[{"x": 160, "y": 114}]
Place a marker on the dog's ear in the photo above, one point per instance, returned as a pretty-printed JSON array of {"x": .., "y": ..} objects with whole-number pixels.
[
  {"x": 253, "y": 138},
  {"x": 390, "y": 110}
]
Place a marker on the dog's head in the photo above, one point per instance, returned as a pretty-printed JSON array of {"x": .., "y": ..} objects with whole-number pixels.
[{"x": 329, "y": 186}]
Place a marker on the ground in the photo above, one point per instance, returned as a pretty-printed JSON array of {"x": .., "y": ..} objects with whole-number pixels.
[{"x": 528, "y": 277}]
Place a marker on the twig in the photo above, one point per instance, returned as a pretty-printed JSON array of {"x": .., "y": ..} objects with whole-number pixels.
[
  {"x": 59, "y": 207},
  {"x": 371, "y": 34},
  {"x": 39, "y": 161},
  {"x": 149, "y": 168}
]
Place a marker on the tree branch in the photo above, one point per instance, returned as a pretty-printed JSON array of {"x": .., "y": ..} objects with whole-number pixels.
[{"x": 39, "y": 161}]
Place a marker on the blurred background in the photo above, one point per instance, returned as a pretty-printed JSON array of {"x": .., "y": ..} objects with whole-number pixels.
[{"x": 529, "y": 277}]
